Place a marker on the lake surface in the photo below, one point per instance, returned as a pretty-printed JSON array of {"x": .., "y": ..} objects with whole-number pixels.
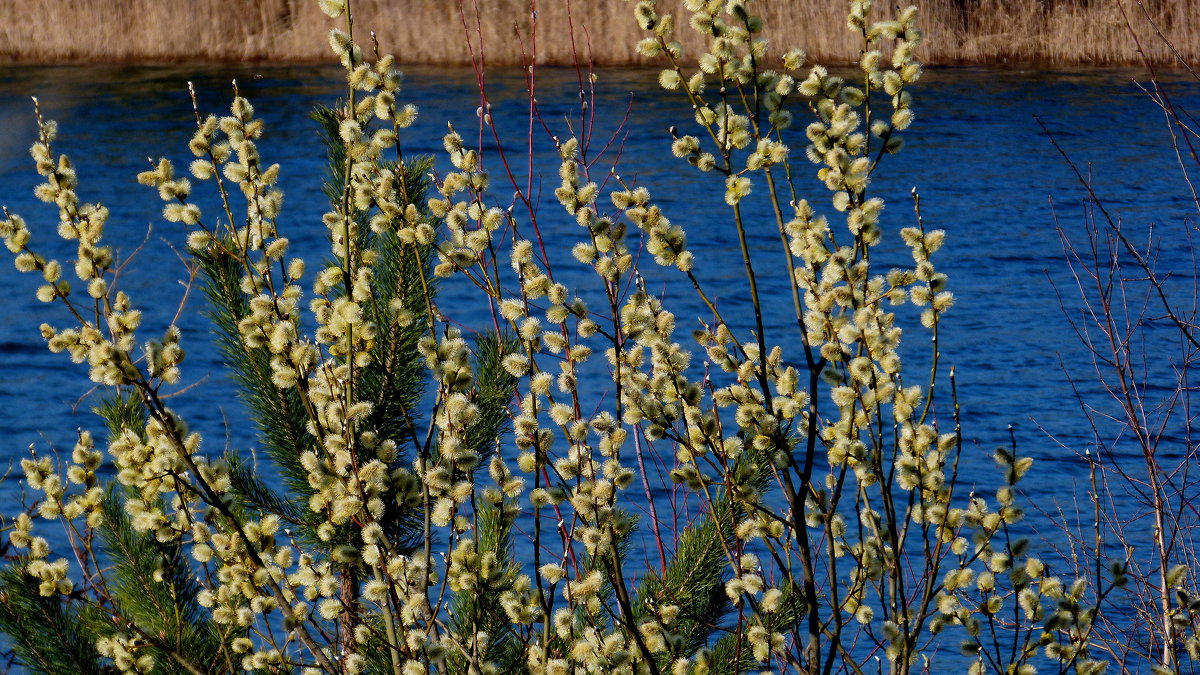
[{"x": 986, "y": 173}]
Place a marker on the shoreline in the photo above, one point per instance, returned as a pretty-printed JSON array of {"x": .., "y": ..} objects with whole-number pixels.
[{"x": 1036, "y": 33}]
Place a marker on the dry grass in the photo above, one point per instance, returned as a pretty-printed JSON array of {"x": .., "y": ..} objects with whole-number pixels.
[{"x": 431, "y": 31}]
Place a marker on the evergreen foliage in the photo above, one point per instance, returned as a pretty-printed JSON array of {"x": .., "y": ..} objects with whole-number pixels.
[{"x": 47, "y": 634}]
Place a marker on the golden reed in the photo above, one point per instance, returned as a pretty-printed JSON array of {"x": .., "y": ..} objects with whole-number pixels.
[{"x": 431, "y": 31}]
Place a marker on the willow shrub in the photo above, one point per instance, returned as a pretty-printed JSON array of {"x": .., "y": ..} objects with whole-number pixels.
[{"x": 826, "y": 532}]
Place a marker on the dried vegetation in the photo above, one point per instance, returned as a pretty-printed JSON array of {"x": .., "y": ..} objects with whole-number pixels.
[{"x": 957, "y": 31}]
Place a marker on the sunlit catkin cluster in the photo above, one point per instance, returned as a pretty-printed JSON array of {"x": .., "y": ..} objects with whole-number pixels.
[{"x": 456, "y": 497}]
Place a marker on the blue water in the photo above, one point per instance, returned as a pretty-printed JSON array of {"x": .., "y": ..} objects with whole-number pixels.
[{"x": 986, "y": 173}]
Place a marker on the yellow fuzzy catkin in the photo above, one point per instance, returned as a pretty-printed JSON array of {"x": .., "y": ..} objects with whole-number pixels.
[{"x": 852, "y": 437}]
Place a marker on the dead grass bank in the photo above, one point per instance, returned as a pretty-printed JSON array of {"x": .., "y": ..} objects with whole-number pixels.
[{"x": 431, "y": 31}]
